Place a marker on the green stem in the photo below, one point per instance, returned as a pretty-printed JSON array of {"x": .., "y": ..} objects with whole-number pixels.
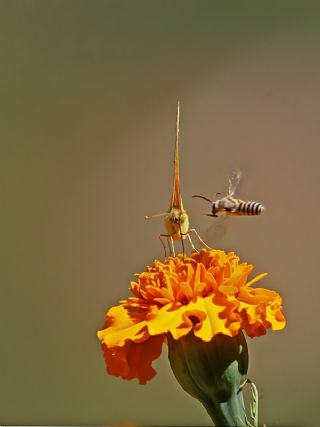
[{"x": 228, "y": 413}]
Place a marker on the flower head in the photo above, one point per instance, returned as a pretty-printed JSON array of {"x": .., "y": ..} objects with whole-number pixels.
[{"x": 206, "y": 293}]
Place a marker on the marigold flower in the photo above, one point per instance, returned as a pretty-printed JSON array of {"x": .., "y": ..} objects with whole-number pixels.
[{"x": 206, "y": 293}]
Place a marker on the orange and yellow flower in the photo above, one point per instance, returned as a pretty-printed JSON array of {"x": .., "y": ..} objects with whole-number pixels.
[{"x": 206, "y": 293}]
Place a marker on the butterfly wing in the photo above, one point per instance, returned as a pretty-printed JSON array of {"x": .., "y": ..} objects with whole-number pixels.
[{"x": 176, "y": 201}]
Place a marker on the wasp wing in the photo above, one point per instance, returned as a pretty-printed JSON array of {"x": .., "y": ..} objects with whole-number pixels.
[
  {"x": 234, "y": 180},
  {"x": 217, "y": 230}
]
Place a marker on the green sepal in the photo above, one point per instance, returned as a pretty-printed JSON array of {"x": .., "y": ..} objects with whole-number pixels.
[{"x": 214, "y": 373}]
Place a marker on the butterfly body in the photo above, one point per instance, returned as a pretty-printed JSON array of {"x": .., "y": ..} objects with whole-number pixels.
[
  {"x": 177, "y": 223},
  {"x": 176, "y": 220}
]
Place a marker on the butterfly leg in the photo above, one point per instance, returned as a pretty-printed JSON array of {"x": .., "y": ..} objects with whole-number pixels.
[
  {"x": 172, "y": 251},
  {"x": 191, "y": 242},
  {"x": 163, "y": 244},
  {"x": 182, "y": 242},
  {"x": 199, "y": 238},
  {"x": 170, "y": 244}
]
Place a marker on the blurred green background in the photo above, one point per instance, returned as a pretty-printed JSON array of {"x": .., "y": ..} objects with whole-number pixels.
[{"x": 88, "y": 93}]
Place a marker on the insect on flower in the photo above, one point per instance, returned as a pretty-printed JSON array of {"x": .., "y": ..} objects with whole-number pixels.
[
  {"x": 176, "y": 219},
  {"x": 229, "y": 205}
]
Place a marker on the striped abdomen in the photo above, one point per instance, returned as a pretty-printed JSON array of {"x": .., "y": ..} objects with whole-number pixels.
[{"x": 249, "y": 208}]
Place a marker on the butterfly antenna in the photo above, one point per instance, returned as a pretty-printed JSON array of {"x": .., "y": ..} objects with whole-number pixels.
[{"x": 155, "y": 215}]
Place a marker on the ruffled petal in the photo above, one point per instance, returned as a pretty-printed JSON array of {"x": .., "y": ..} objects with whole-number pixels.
[
  {"x": 169, "y": 319},
  {"x": 261, "y": 308},
  {"x": 133, "y": 360},
  {"x": 203, "y": 315},
  {"x": 123, "y": 324},
  {"x": 213, "y": 323}
]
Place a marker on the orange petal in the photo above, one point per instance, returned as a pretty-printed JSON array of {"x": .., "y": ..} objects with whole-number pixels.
[
  {"x": 168, "y": 318},
  {"x": 133, "y": 360},
  {"x": 176, "y": 319},
  {"x": 255, "y": 279},
  {"x": 276, "y": 317},
  {"x": 214, "y": 323},
  {"x": 123, "y": 324}
]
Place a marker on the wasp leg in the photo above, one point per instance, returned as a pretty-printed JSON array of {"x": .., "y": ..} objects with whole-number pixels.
[{"x": 199, "y": 238}]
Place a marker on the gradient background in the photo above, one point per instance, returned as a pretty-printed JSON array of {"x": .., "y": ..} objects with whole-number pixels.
[{"x": 88, "y": 93}]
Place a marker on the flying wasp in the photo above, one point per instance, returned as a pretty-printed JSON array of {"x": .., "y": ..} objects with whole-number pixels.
[
  {"x": 229, "y": 205},
  {"x": 176, "y": 219}
]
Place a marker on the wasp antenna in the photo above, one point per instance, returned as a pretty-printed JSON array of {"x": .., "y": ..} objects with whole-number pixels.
[
  {"x": 202, "y": 197},
  {"x": 155, "y": 215}
]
